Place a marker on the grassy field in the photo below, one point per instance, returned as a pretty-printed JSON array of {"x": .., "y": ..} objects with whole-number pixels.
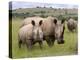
[{"x": 68, "y": 48}]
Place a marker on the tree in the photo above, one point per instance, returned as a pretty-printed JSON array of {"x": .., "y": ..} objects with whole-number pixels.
[{"x": 37, "y": 7}]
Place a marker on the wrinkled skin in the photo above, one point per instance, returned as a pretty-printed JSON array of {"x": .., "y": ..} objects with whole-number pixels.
[{"x": 30, "y": 34}]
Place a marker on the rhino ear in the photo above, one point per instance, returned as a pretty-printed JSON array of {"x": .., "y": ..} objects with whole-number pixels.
[
  {"x": 55, "y": 21},
  {"x": 40, "y": 23},
  {"x": 62, "y": 21},
  {"x": 33, "y": 22}
]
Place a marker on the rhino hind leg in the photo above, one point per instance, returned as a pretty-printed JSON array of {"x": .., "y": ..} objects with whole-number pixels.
[{"x": 20, "y": 42}]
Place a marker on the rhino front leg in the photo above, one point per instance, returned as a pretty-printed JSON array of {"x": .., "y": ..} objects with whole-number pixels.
[
  {"x": 41, "y": 44},
  {"x": 52, "y": 40},
  {"x": 48, "y": 40},
  {"x": 29, "y": 44}
]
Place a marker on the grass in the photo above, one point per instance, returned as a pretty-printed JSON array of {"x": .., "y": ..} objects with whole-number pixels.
[{"x": 68, "y": 48}]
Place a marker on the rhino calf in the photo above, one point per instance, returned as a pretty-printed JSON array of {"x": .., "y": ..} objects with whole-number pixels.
[{"x": 30, "y": 34}]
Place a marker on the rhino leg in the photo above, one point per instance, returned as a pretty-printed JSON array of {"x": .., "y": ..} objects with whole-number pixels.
[
  {"x": 52, "y": 40},
  {"x": 20, "y": 42},
  {"x": 29, "y": 44},
  {"x": 48, "y": 40},
  {"x": 33, "y": 42},
  {"x": 40, "y": 43}
]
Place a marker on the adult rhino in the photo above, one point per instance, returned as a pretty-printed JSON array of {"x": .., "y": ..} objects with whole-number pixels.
[
  {"x": 53, "y": 30},
  {"x": 28, "y": 20},
  {"x": 71, "y": 24},
  {"x": 30, "y": 34}
]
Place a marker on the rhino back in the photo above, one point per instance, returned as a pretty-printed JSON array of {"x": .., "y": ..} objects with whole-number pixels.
[
  {"x": 25, "y": 32},
  {"x": 48, "y": 27},
  {"x": 29, "y": 19}
]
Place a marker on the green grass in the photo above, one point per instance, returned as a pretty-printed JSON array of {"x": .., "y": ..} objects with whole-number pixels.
[{"x": 68, "y": 48}]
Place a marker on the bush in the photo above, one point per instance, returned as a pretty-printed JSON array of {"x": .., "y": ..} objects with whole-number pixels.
[
  {"x": 43, "y": 16},
  {"x": 42, "y": 12},
  {"x": 76, "y": 18},
  {"x": 22, "y": 15},
  {"x": 60, "y": 17},
  {"x": 37, "y": 7}
]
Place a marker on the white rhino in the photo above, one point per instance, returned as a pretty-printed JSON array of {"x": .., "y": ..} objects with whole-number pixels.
[
  {"x": 71, "y": 24},
  {"x": 30, "y": 34}
]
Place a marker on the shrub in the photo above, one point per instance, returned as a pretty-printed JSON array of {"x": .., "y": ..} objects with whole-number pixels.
[
  {"x": 42, "y": 12},
  {"x": 60, "y": 17},
  {"x": 76, "y": 18},
  {"x": 43, "y": 16}
]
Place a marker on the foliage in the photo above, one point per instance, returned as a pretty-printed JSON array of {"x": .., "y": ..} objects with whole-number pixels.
[{"x": 44, "y": 12}]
